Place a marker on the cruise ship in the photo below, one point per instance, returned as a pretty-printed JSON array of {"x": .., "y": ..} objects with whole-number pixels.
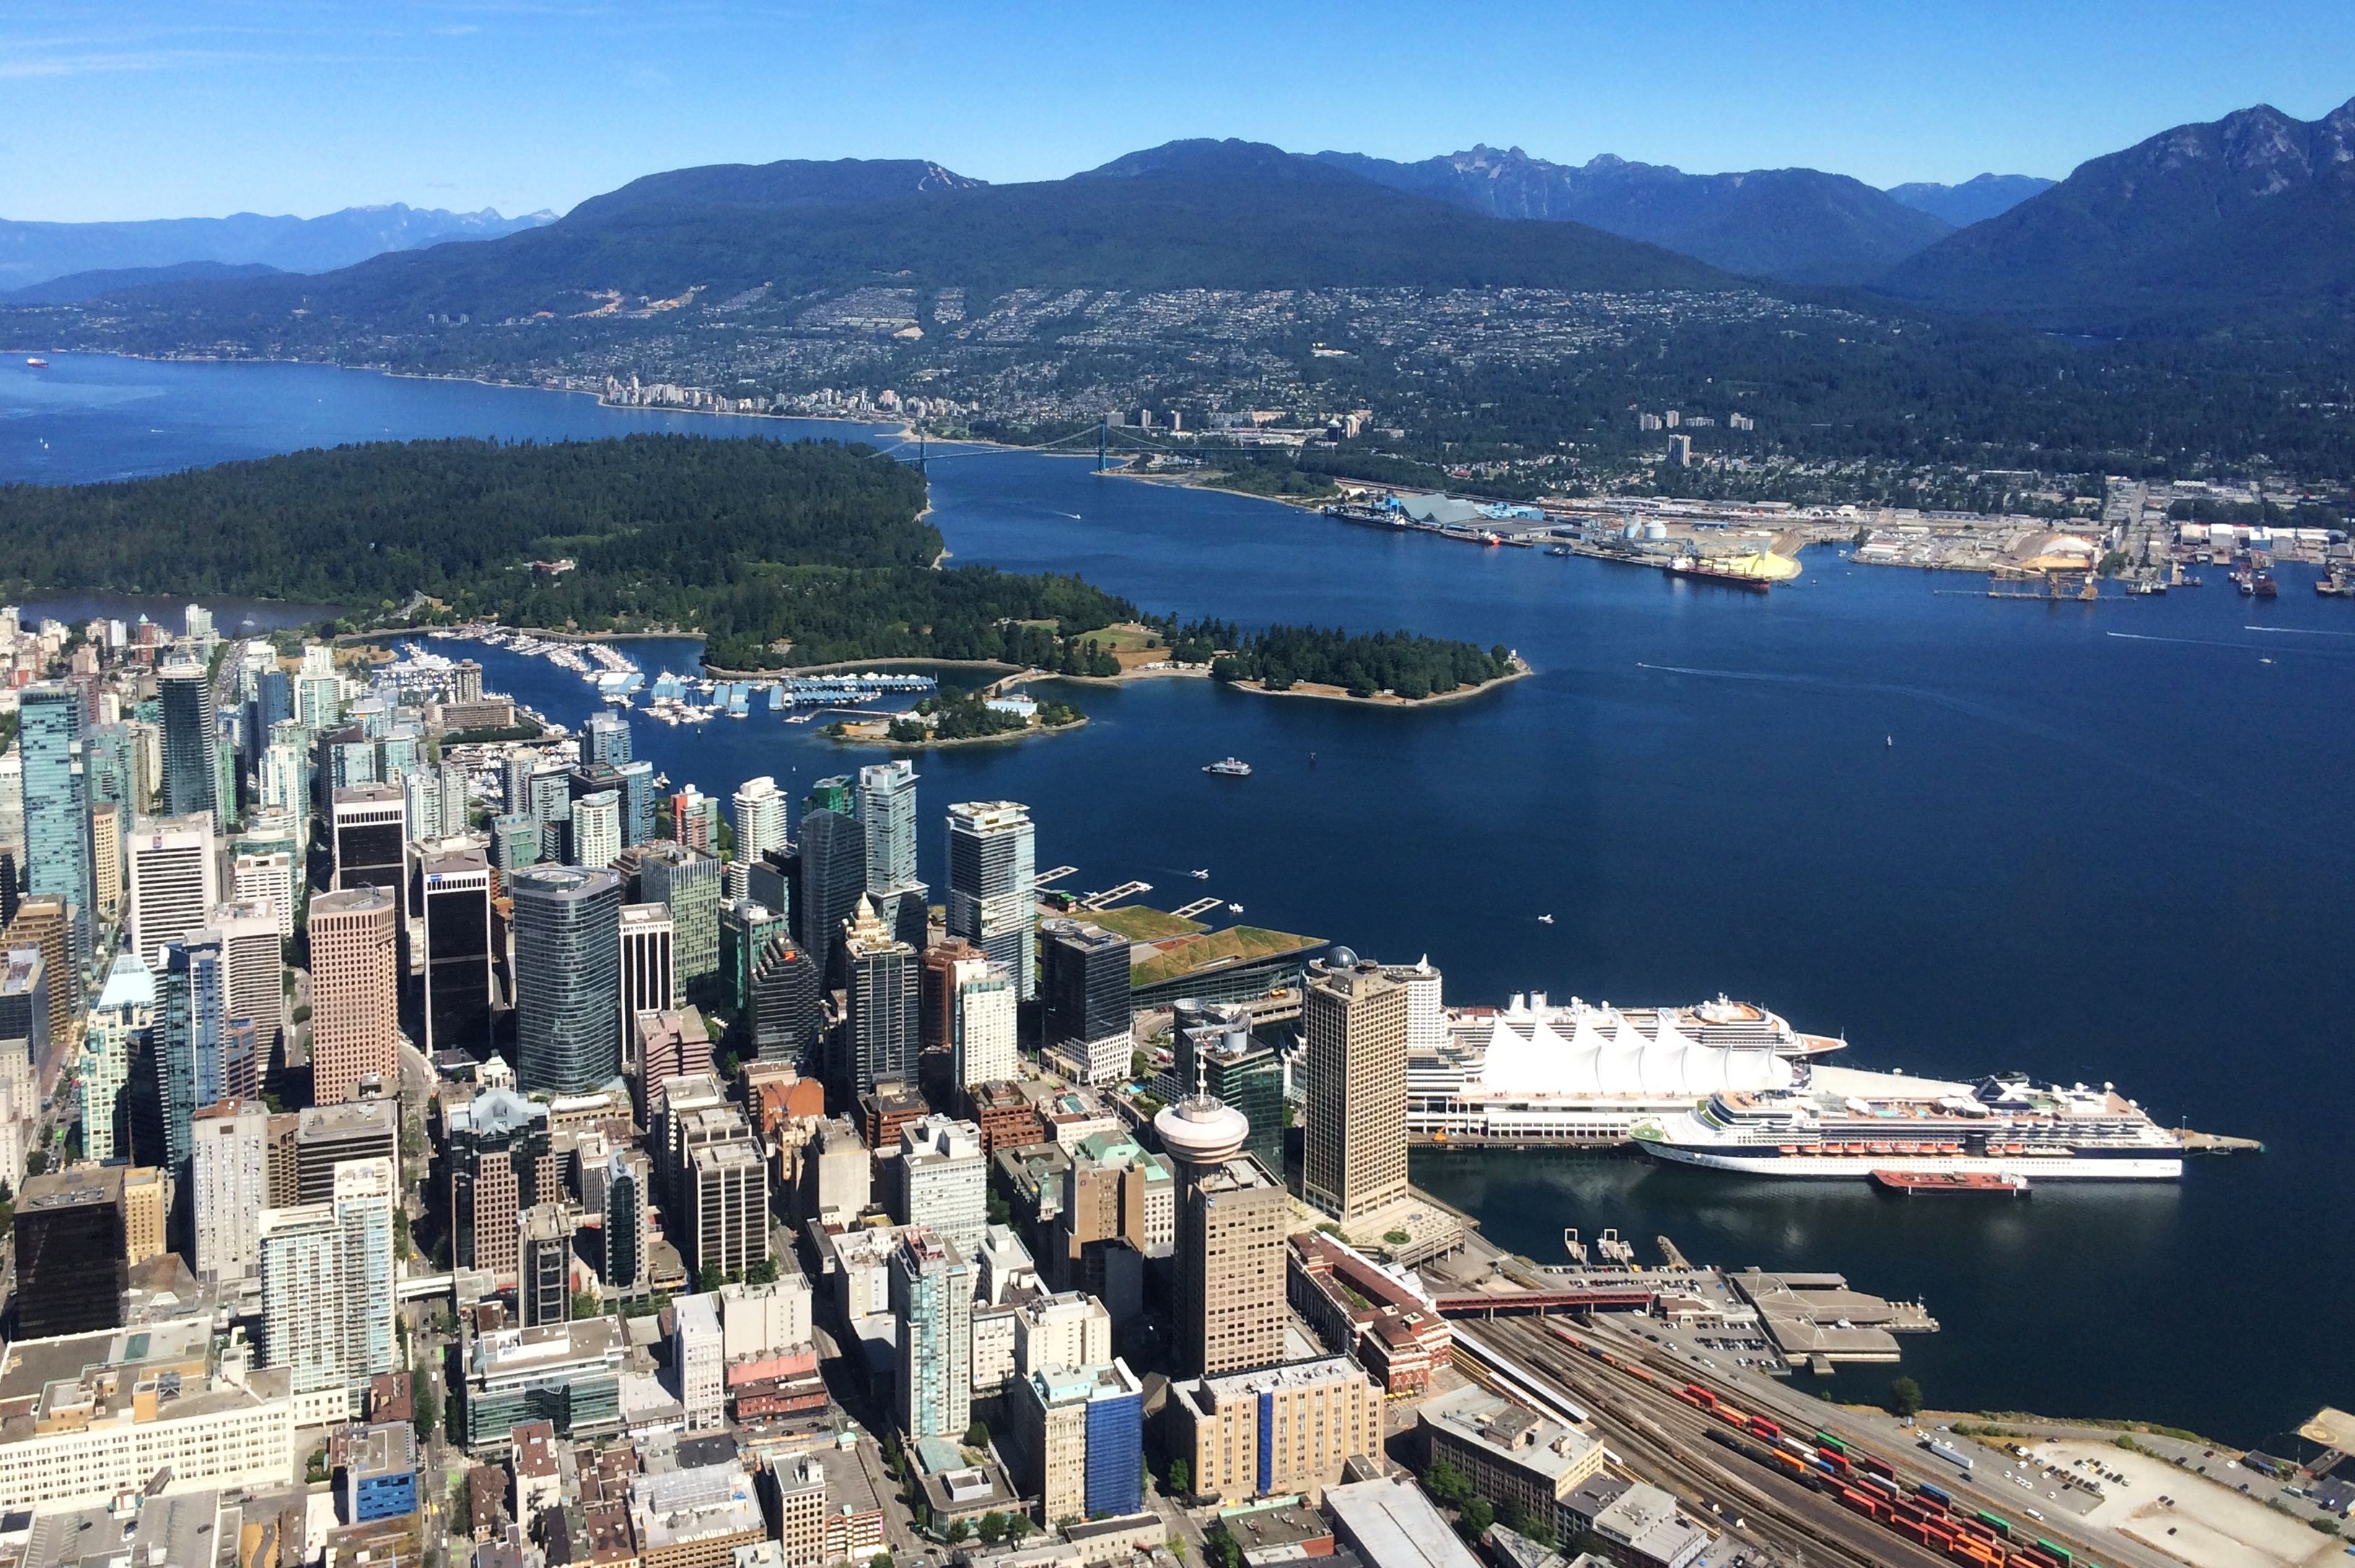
[{"x": 1842, "y": 1124}]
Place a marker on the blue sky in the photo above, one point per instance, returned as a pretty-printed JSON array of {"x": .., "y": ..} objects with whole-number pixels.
[{"x": 136, "y": 109}]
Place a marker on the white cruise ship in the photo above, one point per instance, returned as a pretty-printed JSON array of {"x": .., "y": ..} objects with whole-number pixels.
[{"x": 1849, "y": 1124}]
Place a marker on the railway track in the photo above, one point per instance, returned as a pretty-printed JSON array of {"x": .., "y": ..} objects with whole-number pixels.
[{"x": 1662, "y": 1440}]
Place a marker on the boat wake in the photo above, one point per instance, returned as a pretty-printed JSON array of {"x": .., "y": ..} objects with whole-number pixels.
[
  {"x": 2220, "y": 642},
  {"x": 2297, "y": 632}
]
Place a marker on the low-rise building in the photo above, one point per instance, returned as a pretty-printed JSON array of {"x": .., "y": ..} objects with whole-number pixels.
[
  {"x": 1508, "y": 1453},
  {"x": 568, "y": 1374},
  {"x": 1641, "y": 1525},
  {"x": 1389, "y": 1523},
  {"x": 1078, "y": 1440},
  {"x": 379, "y": 1473},
  {"x": 86, "y": 1416},
  {"x": 695, "y": 1517},
  {"x": 1394, "y": 1329},
  {"x": 1286, "y": 1428}
]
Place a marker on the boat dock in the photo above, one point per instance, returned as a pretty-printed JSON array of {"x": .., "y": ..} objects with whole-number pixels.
[
  {"x": 1816, "y": 1319},
  {"x": 2216, "y": 1143}
]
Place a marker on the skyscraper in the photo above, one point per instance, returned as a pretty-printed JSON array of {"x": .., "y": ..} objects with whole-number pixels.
[
  {"x": 1213, "y": 1045},
  {"x": 256, "y": 973},
  {"x": 745, "y": 928},
  {"x": 544, "y": 1274},
  {"x": 760, "y": 818},
  {"x": 501, "y": 1161},
  {"x": 70, "y": 1261},
  {"x": 1083, "y": 984},
  {"x": 833, "y": 878},
  {"x": 596, "y": 838},
  {"x": 191, "y": 742},
  {"x": 625, "y": 1269},
  {"x": 327, "y": 1287},
  {"x": 568, "y": 978},
  {"x": 229, "y": 1169},
  {"x": 370, "y": 826},
  {"x": 991, "y": 892},
  {"x": 688, "y": 883},
  {"x": 882, "y": 1026},
  {"x": 887, "y": 807},
  {"x": 455, "y": 887},
  {"x": 106, "y": 820},
  {"x": 650, "y": 981},
  {"x": 605, "y": 739},
  {"x": 173, "y": 882},
  {"x": 119, "y": 1020},
  {"x": 1353, "y": 1142},
  {"x": 944, "y": 1180},
  {"x": 190, "y": 1060},
  {"x": 931, "y": 1297},
  {"x": 1232, "y": 1219},
  {"x": 985, "y": 1043},
  {"x": 785, "y": 1003},
  {"x": 56, "y": 813},
  {"x": 355, "y": 995}
]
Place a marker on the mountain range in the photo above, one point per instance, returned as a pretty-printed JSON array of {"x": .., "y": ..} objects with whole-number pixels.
[
  {"x": 1799, "y": 225},
  {"x": 2245, "y": 218},
  {"x": 1974, "y": 200},
  {"x": 1221, "y": 215},
  {"x": 35, "y": 252},
  {"x": 2250, "y": 217}
]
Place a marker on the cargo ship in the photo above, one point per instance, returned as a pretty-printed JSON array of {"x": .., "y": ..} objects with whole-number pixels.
[
  {"x": 1694, "y": 566},
  {"x": 1975, "y": 1183},
  {"x": 2004, "y": 1126}
]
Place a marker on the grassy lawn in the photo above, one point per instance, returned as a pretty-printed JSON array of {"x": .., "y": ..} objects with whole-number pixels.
[
  {"x": 1141, "y": 924},
  {"x": 1239, "y": 944}
]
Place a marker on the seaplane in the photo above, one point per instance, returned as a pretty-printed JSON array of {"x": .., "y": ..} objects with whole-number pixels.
[
  {"x": 1545, "y": 920},
  {"x": 1202, "y": 876},
  {"x": 1234, "y": 909}
]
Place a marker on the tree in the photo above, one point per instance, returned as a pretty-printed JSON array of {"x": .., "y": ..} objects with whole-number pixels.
[
  {"x": 1181, "y": 1478},
  {"x": 978, "y": 1435},
  {"x": 708, "y": 1278},
  {"x": 761, "y": 1273},
  {"x": 1444, "y": 1482},
  {"x": 958, "y": 1530},
  {"x": 881, "y": 1560},
  {"x": 586, "y": 1305},
  {"x": 1476, "y": 1517},
  {"x": 1018, "y": 1526},
  {"x": 425, "y": 1402},
  {"x": 1905, "y": 1398},
  {"x": 991, "y": 1527},
  {"x": 1221, "y": 1547}
]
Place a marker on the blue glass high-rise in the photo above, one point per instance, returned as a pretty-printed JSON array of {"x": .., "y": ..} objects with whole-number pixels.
[
  {"x": 195, "y": 1038},
  {"x": 57, "y": 809}
]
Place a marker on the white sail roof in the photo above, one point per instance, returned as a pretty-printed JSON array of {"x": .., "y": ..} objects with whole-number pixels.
[{"x": 1585, "y": 1050}]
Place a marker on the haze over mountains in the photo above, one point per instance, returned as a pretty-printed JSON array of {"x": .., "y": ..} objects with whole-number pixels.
[
  {"x": 35, "y": 252},
  {"x": 1974, "y": 200}
]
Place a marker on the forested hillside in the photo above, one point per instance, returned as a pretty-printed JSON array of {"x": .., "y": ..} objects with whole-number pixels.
[{"x": 753, "y": 542}]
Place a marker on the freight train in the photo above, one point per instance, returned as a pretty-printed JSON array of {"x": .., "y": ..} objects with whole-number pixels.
[{"x": 1861, "y": 1480}]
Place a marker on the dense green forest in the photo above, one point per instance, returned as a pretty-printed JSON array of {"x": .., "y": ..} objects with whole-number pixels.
[
  {"x": 778, "y": 552},
  {"x": 1406, "y": 662},
  {"x": 967, "y": 716}
]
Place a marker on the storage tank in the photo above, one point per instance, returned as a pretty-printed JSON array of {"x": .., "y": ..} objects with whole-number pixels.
[{"x": 1654, "y": 532}]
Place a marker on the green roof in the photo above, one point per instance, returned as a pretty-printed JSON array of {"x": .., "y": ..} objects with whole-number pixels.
[{"x": 1175, "y": 960}]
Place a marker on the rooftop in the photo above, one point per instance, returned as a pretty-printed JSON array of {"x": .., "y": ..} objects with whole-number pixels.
[
  {"x": 1391, "y": 1525},
  {"x": 693, "y": 1504},
  {"x": 1512, "y": 1432}
]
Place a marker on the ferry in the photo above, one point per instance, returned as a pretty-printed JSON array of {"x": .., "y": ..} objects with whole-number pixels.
[
  {"x": 1228, "y": 768},
  {"x": 2004, "y": 1126},
  {"x": 35, "y": 362}
]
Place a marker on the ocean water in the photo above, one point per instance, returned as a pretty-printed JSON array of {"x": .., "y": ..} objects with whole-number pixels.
[{"x": 2093, "y": 843}]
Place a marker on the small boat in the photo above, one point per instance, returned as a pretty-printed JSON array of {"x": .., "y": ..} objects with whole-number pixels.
[
  {"x": 35, "y": 362},
  {"x": 1228, "y": 768},
  {"x": 1560, "y": 551},
  {"x": 1234, "y": 909},
  {"x": 1545, "y": 920},
  {"x": 1888, "y": 742}
]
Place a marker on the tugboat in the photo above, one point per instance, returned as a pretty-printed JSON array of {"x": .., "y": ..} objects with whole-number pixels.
[{"x": 1228, "y": 768}]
